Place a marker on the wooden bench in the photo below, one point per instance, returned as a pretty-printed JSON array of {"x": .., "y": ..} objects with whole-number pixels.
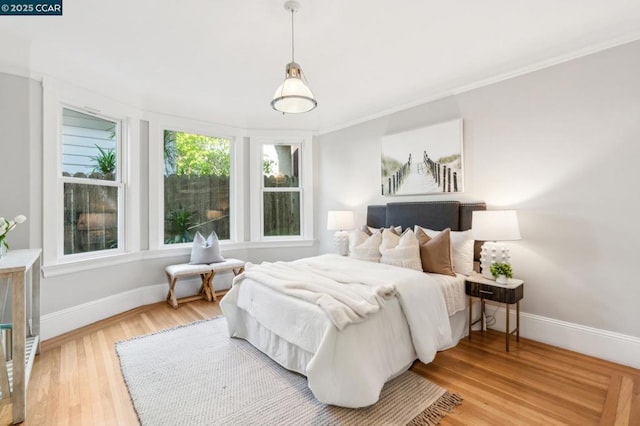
[{"x": 206, "y": 273}]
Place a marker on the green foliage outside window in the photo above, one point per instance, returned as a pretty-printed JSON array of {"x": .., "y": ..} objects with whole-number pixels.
[
  {"x": 105, "y": 162},
  {"x": 196, "y": 186},
  {"x": 196, "y": 155}
]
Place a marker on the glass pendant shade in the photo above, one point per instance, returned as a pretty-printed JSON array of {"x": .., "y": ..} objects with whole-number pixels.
[{"x": 293, "y": 96}]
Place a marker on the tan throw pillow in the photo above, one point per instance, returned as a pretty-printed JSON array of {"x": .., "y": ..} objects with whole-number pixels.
[
  {"x": 461, "y": 249},
  {"x": 435, "y": 253}
]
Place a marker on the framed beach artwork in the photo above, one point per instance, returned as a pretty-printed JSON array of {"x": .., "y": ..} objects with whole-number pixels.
[{"x": 427, "y": 160}]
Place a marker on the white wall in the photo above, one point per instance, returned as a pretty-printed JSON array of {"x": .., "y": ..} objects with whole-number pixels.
[
  {"x": 16, "y": 130},
  {"x": 560, "y": 145}
]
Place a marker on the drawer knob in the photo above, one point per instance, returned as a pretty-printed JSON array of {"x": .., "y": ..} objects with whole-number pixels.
[{"x": 486, "y": 292}]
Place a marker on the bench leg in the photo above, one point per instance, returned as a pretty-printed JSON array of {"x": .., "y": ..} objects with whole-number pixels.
[
  {"x": 171, "y": 295},
  {"x": 207, "y": 289}
]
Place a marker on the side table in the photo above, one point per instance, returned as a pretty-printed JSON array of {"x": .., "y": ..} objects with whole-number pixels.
[
  {"x": 510, "y": 293},
  {"x": 15, "y": 266}
]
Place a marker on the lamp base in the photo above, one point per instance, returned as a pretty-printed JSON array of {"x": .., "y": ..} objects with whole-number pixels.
[
  {"x": 491, "y": 253},
  {"x": 341, "y": 240}
]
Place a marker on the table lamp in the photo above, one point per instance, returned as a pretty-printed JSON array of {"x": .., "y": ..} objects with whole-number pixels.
[
  {"x": 492, "y": 226},
  {"x": 340, "y": 221}
]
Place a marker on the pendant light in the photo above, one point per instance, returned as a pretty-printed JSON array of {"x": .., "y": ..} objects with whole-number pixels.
[{"x": 293, "y": 96}]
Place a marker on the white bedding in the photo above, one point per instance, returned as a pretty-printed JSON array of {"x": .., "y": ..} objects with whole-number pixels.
[
  {"x": 346, "y": 298},
  {"x": 349, "y": 367}
]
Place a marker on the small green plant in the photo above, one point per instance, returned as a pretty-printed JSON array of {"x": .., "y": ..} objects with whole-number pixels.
[
  {"x": 105, "y": 161},
  {"x": 268, "y": 166},
  {"x": 179, "y": 223},
  {"x": 501, "y": 268}
]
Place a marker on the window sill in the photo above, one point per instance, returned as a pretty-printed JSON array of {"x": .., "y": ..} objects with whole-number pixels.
[
  {"x": 183, "y": 250},
  {"x": 225, "y": 246},
  {"x": 89, "y": 264},
  {"x": 275, "y": 243}
]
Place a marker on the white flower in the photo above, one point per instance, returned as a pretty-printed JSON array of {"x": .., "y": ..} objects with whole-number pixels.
[{"x": 8, "y": 225}]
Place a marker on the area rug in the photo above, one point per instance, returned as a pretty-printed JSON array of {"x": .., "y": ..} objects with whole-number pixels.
[{"x": 197, "y": 375}]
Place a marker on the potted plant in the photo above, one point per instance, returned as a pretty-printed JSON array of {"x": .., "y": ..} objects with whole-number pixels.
[{"x": 502, "y": 272}]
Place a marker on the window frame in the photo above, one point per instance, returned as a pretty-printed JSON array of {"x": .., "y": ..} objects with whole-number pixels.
[
  {"x": 57, "y": 96},
  {"x": 158, "y": 123},
  {"x": 118, "y": 182},
  {"x": 305, "y": 185}
]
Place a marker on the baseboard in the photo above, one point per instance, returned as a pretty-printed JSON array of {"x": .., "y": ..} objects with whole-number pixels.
[
  {"x": 60, "y": 322},
  {"x": 69, "y": 319},
  {"x": 608, "y": 345}
]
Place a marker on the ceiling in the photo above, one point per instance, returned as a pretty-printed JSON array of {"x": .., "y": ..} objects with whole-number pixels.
[{"x": 221, "y": 61}]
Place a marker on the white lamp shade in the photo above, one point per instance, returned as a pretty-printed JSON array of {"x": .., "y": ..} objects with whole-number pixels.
[
  {"x": 338, "y": 220},
  {"x": 495, "y": 225},
  {"x": 293, "y": 96}
]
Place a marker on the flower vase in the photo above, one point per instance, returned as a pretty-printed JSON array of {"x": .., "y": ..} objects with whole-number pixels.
[
  {"x": 502, "y": 279},
  {"x": 3, "y": 250}
]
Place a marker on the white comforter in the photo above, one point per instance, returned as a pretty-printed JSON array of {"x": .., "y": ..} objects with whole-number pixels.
[
  {"x": 346, "y": 298},
  {"x": 348, "y": 367}
]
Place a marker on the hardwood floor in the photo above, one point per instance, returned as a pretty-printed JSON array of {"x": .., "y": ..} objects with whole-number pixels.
[
  {"x": 533, "y": 384},
  {"x": 76, "y": 379}
]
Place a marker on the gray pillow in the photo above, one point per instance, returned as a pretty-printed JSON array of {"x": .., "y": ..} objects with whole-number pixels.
[{"x": 205, "y": 251}]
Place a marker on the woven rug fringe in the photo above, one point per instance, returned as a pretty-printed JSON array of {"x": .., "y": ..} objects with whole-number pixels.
[{"x": 433, "y": 414}]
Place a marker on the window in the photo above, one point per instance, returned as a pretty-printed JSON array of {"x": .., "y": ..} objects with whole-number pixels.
[
  {"x": 91, "y": 184},
  {"x": 195, "y": 184},
  {"x": 197, "y": 175},
  {"x": 91, "y": 179},
  {"x": 281, "y": 188}
]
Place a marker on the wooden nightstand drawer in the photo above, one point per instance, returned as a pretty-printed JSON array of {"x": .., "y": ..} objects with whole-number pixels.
[{"x": 494, "y": 292}]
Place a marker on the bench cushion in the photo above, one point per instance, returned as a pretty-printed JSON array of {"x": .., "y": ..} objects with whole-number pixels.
[
  {"x": 186, "y": 269},
  {"x": 227, "y": 264}
]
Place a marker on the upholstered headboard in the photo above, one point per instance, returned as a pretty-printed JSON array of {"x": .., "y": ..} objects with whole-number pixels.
[{"x": 436, "y": 215}]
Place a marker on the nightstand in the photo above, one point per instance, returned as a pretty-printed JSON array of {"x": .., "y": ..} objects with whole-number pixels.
[{"x": 510, "y": 293}]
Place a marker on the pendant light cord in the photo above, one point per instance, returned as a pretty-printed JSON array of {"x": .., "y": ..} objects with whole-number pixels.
[{"x": 292, "y": 38}]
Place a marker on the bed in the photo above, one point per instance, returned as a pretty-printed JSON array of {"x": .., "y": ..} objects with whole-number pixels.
[{"x": 347, "y": 362}]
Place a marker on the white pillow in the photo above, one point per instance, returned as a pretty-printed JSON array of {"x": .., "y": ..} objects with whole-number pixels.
[
  {"x": 365, "y": 247},
  {"x": 390, "y": 239},
  {"x": 205, "y": 251},
  {"x": 461, "y": 249},
  {"x": 403, "y": 251}
]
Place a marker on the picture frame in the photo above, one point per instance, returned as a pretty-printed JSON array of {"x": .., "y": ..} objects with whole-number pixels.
[{"x": 427, "y": 160}]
